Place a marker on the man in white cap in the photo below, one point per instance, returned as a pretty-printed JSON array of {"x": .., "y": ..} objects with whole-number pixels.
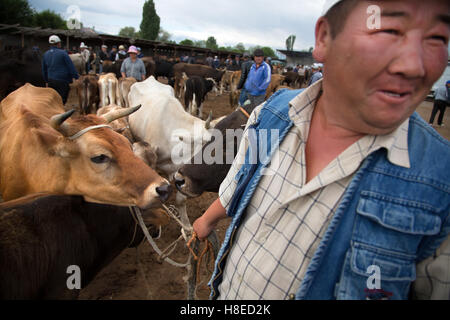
[
  {"x": 133, "y": 66},
  {"x": 316, "y": 74},
  {"x": 340, "y": 189},
  {"x": 57, "y": 68},
  {"x": 86, "y": 56}
]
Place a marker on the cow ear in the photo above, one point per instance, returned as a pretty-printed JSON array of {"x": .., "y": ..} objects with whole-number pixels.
[{"x": 54, "y": 142}]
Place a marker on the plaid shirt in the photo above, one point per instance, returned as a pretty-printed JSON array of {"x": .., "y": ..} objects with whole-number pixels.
[{"x": 287, "y": 217}]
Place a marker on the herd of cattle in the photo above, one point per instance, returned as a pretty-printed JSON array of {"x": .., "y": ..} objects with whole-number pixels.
[{"x": 68, "y": 178}]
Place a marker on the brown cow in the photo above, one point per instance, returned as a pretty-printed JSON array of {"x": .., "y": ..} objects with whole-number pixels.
[
  {"x": 87, "y": 91},
  {"x": 124, "y": 88},
  {"x": 275, "y": 81},
  {"x": 194, "y": 70},
  {"x": 41, "y": 236},
  {"x": 42, "y": 150},
  {"x": 234, "y": 94}
]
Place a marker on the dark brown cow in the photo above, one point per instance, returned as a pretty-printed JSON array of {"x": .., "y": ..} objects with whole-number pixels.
[
  {"x": 292, "y": 79},
  {"x": 194, "y": 70},
  {"x": 194, "y": 179},
  {"x": 42, "y": 235},
  {"x": 88, "y": 94}
]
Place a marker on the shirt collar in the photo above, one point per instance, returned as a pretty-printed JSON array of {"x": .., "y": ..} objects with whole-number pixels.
[{"x": 396, "y": 142}]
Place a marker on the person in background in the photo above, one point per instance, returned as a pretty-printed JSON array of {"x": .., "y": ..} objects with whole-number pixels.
[
  {"x": 103, "y": 56},
  {"x": 258, "y": 79},
  {"x": 441, "y": 101},
  {"x": 86, "y": 56},
  {"x": 209, "y": 60},
  {"x": 113, "y": 56},
  {"x": 122, "y": 53},
  {"x": 216, "y": 62},
  {"x": 140, "y": 54},
  {"x": 58, "y": 70},
  {"x": 316, "y": 74},
  {"x": 133, "y": 66},
  {"x": 245, "y": 69}
]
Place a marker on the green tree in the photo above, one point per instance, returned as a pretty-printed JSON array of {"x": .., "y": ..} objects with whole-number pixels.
[
  {"x": 16, "y": 11},
  {"x": 240, "y": 47},
  {"x": 49, "y": 19},
  {"x": 268, "y": 52},
  {"x": 128, "y": 32},
  {"x": 187, "y": 42},
  {"x": 163, "y": 36},
  {"x": 211, "y": 43},
  {"x": 150, "y": 21},
  {"x": 200, "y": 43}
]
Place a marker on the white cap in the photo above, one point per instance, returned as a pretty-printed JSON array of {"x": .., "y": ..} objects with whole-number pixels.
[
  {"x": 328, "y": 5},
  {"x": 54, "y": 39},
  {"x": 82, "y": 45}
]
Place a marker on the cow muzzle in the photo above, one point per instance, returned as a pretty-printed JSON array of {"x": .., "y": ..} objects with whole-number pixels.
[{"x": 154, "y": 195}]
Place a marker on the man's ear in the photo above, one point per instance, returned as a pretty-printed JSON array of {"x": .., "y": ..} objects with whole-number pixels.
[
  {"x": 323, "y": 40},
  {"x": 54, "y": 142}
]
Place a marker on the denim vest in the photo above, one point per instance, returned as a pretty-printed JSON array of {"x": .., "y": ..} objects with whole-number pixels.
[{"x": 389, "y": 218}]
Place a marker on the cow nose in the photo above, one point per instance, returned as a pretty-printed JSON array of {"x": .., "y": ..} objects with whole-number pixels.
[{"x": 163, "y": 192}]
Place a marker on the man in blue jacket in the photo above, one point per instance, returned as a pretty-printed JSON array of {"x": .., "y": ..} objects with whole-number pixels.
[
  {"x": 258, "y": 79},
  {"x": 338, "y": 191},
  {"x": 58, "y": 69}
]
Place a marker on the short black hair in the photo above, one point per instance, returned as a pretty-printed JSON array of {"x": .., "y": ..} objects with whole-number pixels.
[{"x": 338, "y": 14}]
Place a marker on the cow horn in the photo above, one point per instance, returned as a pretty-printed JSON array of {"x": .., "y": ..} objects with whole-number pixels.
[
  {"x": 57, "y": 120},
  {"x": 208, "y": 121},
  {"x": 117, "y": 114}
]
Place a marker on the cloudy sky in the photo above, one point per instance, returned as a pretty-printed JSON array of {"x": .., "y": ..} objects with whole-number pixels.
[{"x": 265, "y": 23}]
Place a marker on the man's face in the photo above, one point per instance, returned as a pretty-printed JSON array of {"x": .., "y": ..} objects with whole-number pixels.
[
  {"x": 378, "y": 77},
  {"x": 259, "y": 60}
]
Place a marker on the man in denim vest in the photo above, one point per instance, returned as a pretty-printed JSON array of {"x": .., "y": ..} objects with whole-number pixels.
[{"x": 351, "y": 189}]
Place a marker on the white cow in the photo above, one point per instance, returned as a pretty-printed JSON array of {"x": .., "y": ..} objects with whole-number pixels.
[
  {"x": 108, "y": 86},
  {"x": 163, "y": 122},
  {"x": 167, "y": 127},
  {"x": 78, "y": 62}
]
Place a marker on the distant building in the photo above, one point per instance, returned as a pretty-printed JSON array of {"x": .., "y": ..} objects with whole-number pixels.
[{"x": 294, "y": 58}]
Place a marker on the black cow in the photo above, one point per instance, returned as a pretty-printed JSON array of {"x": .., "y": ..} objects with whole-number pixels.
[
  {"x": 194, "y": 179},
  {"x": 164, "y": 68},
  {"x": 113, "y": 67},
  {"x": 19, "y": 67},
  {"x": 42, "y": 235},
  {"x": 196, "y": 90}
]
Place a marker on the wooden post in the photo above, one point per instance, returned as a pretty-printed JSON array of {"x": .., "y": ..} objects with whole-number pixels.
[
  {"x": 22, "y": 36},
  {"x": 67, "y": 44}
]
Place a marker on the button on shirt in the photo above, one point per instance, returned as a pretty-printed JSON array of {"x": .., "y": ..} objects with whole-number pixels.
[{"x": 287, "y": 217}]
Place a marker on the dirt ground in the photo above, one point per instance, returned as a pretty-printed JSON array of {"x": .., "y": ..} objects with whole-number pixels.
[{"x": 125, "y": 279}]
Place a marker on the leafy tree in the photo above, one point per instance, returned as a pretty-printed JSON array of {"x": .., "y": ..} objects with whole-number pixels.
[
  {"x": 240, "y": 47},
  {"x": 268, "y": 52},
  {"x": 163, "y": 35},
  {"x": 187, "y": 42},
  {"x": 200, "y": 43},
  {"x": 211, "y": 43},
  {"x": 290, "y": 42},
  {"x": 16, "y": 11},
  {"x": 49, "y": 19},
  {"x": 128, "y": 32},
  {"x": 150, "y": 21},
  {"x": 311, "y": 49}
]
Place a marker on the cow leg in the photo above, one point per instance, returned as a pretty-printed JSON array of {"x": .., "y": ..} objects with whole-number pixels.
[
  {"x": 200, "y": 111},
  {"x": 194, "y": 105}
]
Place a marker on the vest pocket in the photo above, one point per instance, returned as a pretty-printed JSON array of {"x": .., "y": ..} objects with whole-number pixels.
[
  {"x": 393, "y": 224},
  {"x": 374, "y": 274}
]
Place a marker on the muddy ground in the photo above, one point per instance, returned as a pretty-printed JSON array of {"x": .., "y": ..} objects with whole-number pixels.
[{"x": 126, "y": 279}]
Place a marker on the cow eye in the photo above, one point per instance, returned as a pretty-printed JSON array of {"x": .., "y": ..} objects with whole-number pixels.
[{"x": 100, "y": 159}]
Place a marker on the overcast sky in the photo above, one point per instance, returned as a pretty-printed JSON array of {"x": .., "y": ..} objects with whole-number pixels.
[{"x": 265, "y": 23}]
